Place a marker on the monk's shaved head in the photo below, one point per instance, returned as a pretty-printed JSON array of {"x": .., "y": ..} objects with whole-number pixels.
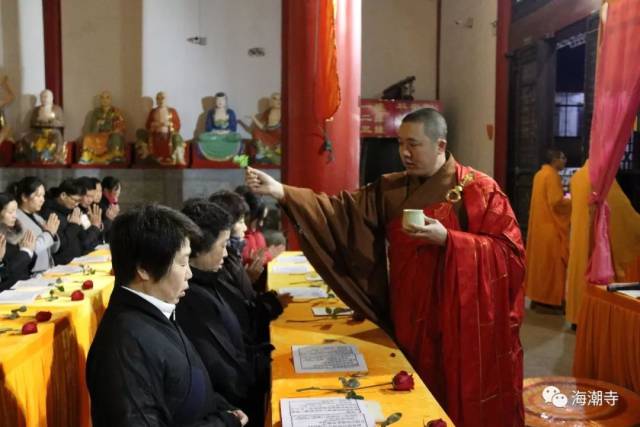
[{"x": 435, "y": 126}]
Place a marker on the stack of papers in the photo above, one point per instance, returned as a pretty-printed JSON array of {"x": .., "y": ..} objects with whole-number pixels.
[
  {"x": 64, "y": 269},
  {"x": 632, "y": 294},
  {"x": 327, "y": 358},
  {"x": 333, "y": 411},
  {"x": 19, "y": 297},
  {"x": 91, "y": 259},
  {"x": 298, "y": 259},
  {"x": 304, "y": 292},
  {"x": 291, "y": 269},
  {"x": 33, "y": 284}
]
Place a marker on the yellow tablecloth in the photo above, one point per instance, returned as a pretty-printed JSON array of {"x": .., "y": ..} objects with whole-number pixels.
[
  {"x": 608, "y": 339},
  {"x": 297, "y": 325},
  {"x": 43, "y": 375}
]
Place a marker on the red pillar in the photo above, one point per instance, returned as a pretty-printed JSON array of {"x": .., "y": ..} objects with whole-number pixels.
[
  {"x": 502, "y": 94},
  {"x": 305, "y": 163},
  {"x": 53, "y": 48}
]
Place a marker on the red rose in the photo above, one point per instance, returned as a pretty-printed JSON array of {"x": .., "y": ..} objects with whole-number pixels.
[
  {"x": 87, "y": 284},
  {"x": 402, "y": 381},
  {"x": 29, "y": 328},
  {"x": 77, "y": 295},
  {"x": 43, "y": 316},
  {"x": 437, "y": 423}
]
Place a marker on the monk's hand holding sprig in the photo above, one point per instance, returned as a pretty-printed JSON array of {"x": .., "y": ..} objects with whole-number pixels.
[
  {"x": 432, "y": 231},
  {"x": 261, "y": 183}
]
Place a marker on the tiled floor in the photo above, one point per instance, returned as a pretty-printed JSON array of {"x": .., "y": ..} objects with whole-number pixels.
[{"x": 548, "y": 343}]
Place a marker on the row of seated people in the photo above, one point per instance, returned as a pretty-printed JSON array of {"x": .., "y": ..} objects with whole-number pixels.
[
  {"x": 40, "y": 229},
  {"x": 186, "y": 332}
]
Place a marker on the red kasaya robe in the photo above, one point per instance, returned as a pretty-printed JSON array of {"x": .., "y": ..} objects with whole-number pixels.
[{"x": 454, "y": 311}]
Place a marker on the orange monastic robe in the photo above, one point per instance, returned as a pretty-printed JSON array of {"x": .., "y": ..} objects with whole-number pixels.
[
  {"x": 624, "y": 237},
  {"x": 454, "y": 311},
  {"x": 547, "y": 238}
]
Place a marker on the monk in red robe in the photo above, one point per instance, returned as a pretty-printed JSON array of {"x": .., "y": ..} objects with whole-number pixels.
[{"x": 450, "y": 291}]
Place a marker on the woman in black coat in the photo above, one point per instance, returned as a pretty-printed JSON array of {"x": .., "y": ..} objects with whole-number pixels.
[
  {"x": 18, "y": 257},
  {"x": 210, "y": 321},
  {"x": 254, "y": 309},
  {"x": 141, "y": 368}
]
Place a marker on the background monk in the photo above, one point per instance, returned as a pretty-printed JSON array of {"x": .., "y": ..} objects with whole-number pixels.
[
  {"x": 548, "y": 233},
  {"x": 452, "y": 296},
  {"x": 624, "y": 237}
]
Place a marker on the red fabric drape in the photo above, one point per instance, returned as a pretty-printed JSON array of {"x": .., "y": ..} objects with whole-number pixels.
[
  {"x": 51, "y": 15},
  {"x": 326, "y": 83},
  {"x": 617, "y": 99}
]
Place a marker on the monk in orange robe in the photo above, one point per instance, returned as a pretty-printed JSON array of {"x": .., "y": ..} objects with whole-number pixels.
[
  {"x": 450, "y": 291},
  {"x": 548, "y": 233},
  {"x": 624, "y": 238}
]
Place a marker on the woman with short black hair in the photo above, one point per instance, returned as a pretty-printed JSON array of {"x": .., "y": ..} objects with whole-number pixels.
[
  {"x": 19, "y": 253},
  {"x": 208, "y": 316},
  {"x": 141, "y": 368},
  {"x": 29, "y": 193}
]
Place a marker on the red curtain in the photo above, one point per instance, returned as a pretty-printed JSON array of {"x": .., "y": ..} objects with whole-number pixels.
[
  {"x": 617, "y": 99},
  {"x": 326, "y": 82},
  {"x": 51, "y": 15}
]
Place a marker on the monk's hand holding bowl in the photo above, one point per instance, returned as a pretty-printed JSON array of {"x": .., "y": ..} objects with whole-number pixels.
[
  {"x": 261, "y": 183},
  {"x": 432, "y": 231}
]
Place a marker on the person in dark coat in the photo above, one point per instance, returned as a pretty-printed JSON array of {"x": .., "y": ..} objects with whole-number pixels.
[
  {"x": 91, "y": 218},
  {"x": 111, "y": 188},
  {"x": 63, "y": 201},
  {"x": 18, "y": 245},
  {"x": 208, "y": 319},
  {"x": 262, "y": 307},
  {"x": 142, "y": 370}
]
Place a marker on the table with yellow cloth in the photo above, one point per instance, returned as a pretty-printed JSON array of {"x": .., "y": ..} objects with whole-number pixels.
[
  {"x": 608, "y": 338},
  {"x": 43, "y": 375},
  {"x": 298, "y": 326}
]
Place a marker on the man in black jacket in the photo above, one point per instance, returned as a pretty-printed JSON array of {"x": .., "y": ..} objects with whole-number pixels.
[
  {"x": 63, "y": 201},
  {"x": 141, "y": 369},
  {"x": 92, "y": 235}
]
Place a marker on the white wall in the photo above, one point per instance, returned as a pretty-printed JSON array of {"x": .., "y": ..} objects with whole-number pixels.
[
  {"x": 191, "y": 74},
  {"x": 135, "y": 48},
  {"x": 467, "y": 82},
  {"x": 398, "y": 40},
  {"x": 101, "y": 50},
  {"x": 22, "y": 57}
]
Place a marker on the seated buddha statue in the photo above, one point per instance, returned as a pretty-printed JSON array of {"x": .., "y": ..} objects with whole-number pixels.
[
  {"x": 104, "y": 143},
  {"x": 220, "y": 141},
  {"x": 44, "y": 143},
  {"x": 5, "y": 131},
  {"x": 160, "y": 142},
  {"x": 267, "y": 133}
]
